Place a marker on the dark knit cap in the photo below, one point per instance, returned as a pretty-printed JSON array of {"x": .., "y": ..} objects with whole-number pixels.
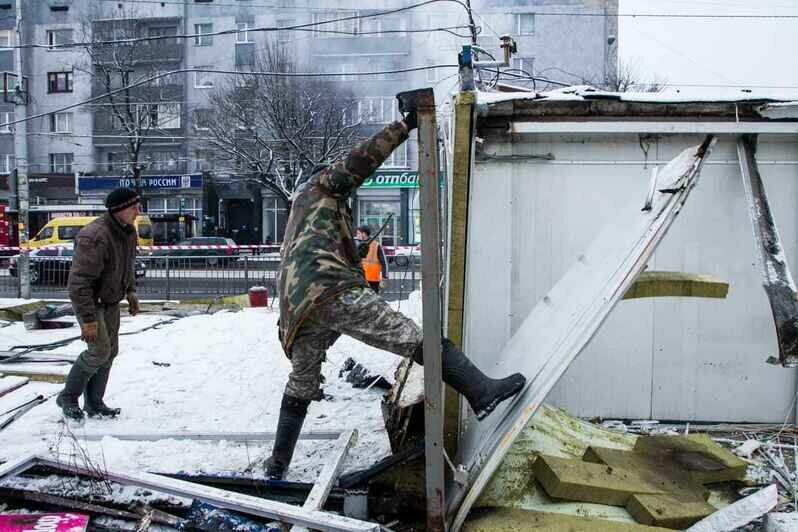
[{"x": 120, "y": 199}]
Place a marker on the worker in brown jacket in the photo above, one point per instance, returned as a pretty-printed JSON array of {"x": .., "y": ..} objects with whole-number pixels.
[{"x": 102, "y": 274}]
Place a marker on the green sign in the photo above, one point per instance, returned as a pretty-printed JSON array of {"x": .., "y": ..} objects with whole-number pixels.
[{"x": 392, "y": 179}]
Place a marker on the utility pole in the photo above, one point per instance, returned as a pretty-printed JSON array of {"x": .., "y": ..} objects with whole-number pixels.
[{"x": 21, "y": 156}]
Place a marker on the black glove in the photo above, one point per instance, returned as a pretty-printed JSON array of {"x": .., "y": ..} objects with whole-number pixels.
[{"x": 411, "y": 121}]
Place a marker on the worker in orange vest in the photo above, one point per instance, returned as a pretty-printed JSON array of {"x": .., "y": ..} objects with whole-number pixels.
[{"x": 375, "y": 267}]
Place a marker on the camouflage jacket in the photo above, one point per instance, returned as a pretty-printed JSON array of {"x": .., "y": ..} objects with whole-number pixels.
[{"x": 319, "y": 257}]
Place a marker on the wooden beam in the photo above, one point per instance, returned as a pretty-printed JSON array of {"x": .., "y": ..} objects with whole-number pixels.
[
  {"x": 36, "y": 372},
  {"x": 676, "y": 284},
  {"x": 462, "y": 146}
]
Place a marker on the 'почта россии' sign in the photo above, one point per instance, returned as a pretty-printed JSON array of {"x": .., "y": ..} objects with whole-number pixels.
[{"x": 392, "y": 179}]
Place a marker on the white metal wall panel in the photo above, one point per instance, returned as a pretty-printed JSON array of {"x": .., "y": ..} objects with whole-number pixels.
[{"x": 667, "y": 358}]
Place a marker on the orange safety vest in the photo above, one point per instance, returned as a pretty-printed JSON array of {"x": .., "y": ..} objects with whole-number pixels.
[{"x": 371, "y": 264}]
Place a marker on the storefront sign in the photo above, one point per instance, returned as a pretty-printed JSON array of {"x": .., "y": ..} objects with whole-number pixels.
[
  {"x": 150, "y": 182},
  {"x": 392, "y": 179}
]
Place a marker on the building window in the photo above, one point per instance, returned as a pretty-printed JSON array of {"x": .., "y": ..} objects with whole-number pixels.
[
  {"x": 382, "y": 27},
  {"x": 378, "y": 110},
  {"x": 57, "y": 38},
  {"x": 61, "y": 123},
  {"x": 284, "y": 36},
  {"x": 6, "y": 38},
  {"x": 59, "y": 82},
  {"x": 202, "y": 119},
  {"x": 432, "y": 73},
  {"x": 163, "y": 31},
  {"x": 203, "y": 80},
  {"x": 347, "y": 27},
  {"x": 61, "y": 163},
  {"x": 202, "y": 161},
  {"x": 6, "y": 163},
  {"x": 398, "y": 158},
  {"x": 5, "y": 118},
  {"x": 522, "y": 66},
  {"x": 275, "y": 217},
  {"x": 242, "y": 35},
  {"x": 167, "y": 116},
  {"x": 202, "y": 37},
  {"x": 525, "y": 24},
  {"x": 164, "y": 160},
  {"x": 110, "y": 161}
]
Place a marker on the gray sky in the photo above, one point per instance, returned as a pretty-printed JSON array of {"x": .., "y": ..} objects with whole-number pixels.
[{"x": 712, "y": 51}]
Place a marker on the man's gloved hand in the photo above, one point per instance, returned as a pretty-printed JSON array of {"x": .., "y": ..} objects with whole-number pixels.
[
  {"x": 88, "y": 331},
  {"x": 133, "y": 303},
  {"x": 411, "y": 121}
]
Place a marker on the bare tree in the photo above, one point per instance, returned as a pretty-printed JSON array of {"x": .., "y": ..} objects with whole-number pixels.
[
  {"x": 627, "y": 78},
  {"x": 141, "y": 110},
  {"x": 272, "y": 129}
]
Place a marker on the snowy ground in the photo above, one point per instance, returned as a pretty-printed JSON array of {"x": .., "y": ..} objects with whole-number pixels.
[{"x": 226, "y": 372}]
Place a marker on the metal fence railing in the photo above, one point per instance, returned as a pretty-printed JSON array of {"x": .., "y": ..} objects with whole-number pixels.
[{"x": 188, "y": 277}]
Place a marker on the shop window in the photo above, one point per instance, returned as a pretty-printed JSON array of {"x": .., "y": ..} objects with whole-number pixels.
[{"x": 375, "y": 213}]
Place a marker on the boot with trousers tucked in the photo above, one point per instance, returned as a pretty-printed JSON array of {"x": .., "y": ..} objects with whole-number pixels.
[
  {"x": 292, "y": 416},
  {"x": 93, "y": 402},
  {"x": 482, "y": 393},
  {"x": 74, "y": 387}
]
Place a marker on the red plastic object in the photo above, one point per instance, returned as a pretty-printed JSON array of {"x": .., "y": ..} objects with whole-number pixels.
[{"x": 258, "y": 296}]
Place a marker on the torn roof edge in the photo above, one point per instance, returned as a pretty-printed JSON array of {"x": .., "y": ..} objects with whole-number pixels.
[{"x": 584, "y": 93}]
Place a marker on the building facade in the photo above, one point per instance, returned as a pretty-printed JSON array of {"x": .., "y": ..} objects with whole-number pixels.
[{"x": 184, "y": 188}]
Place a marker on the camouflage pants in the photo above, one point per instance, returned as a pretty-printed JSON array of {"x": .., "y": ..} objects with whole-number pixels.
[
  {"x": 101, "y": 352},
  {"x": 359, "y": 313}
]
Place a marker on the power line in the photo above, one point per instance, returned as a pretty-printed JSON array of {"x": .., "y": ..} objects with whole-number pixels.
[
  {"x": 570, "y": 14},
  {"x": 229, "y": 72},
  {"x": 237, "y": 31}
]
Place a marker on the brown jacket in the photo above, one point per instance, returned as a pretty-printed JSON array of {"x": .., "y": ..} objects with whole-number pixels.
[{"x": 103, "y": 266}]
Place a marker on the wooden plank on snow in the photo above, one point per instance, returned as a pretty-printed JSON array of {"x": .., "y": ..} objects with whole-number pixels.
[{"x": 9, "y": 384}]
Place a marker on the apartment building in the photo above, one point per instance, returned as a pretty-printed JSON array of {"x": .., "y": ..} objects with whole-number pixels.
[{"x": 186, "y": 191}]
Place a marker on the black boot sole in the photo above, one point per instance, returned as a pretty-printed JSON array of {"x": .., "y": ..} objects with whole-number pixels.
[
  {"x": 100, "y": 415},
  {"x": 486, "y": 410}
]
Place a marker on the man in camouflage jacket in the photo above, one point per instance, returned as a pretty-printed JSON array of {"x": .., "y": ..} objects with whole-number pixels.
[{"x": 323, "y": 293}]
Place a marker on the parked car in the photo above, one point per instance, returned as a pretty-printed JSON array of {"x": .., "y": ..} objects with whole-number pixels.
[
  {"x": 403, "y": 256},
  {"x": 51, "y": 265},
  {"x": 210, "y": 256}
]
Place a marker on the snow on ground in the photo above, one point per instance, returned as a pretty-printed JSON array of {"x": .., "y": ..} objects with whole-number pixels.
[{"x": 226, "y": 372}]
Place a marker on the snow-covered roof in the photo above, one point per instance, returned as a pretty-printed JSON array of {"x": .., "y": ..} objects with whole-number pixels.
[{"x": 667, "y": 96}]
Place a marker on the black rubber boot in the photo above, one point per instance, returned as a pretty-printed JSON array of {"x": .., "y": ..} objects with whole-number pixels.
[
  {"x": 93, "y": 397},
  {"x": 482, "y": 393},
  {"x": 292, "y": 416},
  {"x": 75, "y": 384}
]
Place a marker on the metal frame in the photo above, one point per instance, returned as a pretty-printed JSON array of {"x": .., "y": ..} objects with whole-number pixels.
[
  {"x": 562, "y": 323},
  {"x": 247, "y": 504},
  {"x": 704, "y": 128},
  {"x": 321, "y": 488},
  {"x": 203, "y": 436},
  {"x": 776, "y": 277},
  {"x": 431, "y": 303}
]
